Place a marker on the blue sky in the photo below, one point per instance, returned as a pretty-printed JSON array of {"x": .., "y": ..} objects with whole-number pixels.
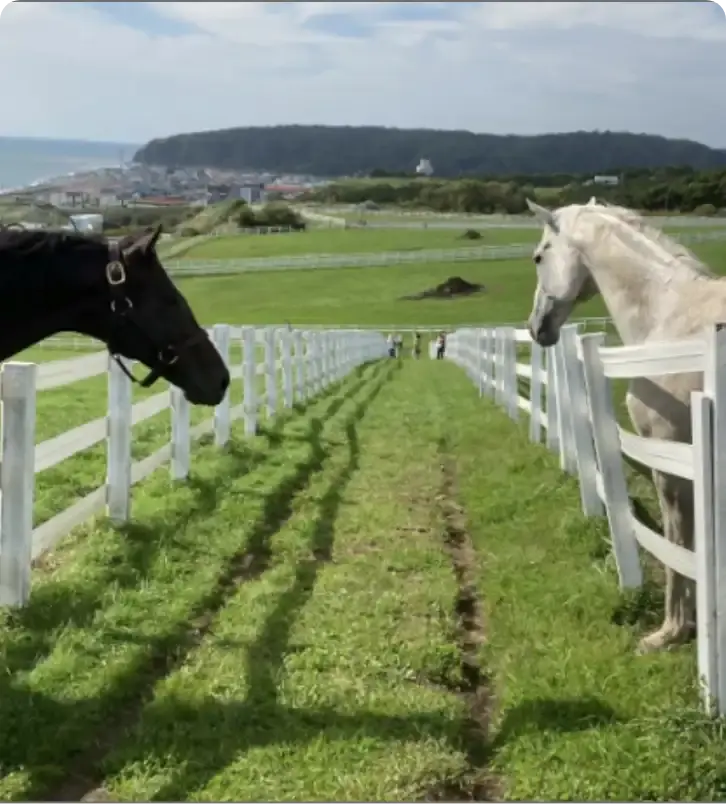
[{"x": 133, "y": 70}]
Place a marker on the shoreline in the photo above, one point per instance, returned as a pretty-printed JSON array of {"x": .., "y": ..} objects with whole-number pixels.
[{"x": 38, "y": 185}]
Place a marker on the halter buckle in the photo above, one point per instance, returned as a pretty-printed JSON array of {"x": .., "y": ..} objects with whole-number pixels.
[{"x": 115, "y": 273}]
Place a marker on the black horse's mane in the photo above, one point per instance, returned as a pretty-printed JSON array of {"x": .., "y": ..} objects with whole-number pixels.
[{"x": 37, "y": 242}]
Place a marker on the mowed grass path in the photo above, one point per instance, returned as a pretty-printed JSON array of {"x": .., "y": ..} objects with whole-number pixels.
[{"x": 259, "y": 633}]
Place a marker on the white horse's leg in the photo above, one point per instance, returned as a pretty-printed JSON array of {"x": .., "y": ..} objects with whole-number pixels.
[{"x": 676, "y": 501}]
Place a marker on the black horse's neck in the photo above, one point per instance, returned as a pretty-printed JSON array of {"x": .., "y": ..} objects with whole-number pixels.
[{"x": 48, "y": 283}]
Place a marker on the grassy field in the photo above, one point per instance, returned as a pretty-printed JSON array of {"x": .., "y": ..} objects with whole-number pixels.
[
  {"x": 373, "y": 295},
  {"x": 336, "y": 241},
  {"x": 388, "y": 594}
]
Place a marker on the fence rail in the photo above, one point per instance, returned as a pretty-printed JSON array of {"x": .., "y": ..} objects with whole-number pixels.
[
  {"x": 83, "y": 343},
  {"x": 294, "y": 365},
  {"x": 191, "y": 267},
  {"x": 570, "y": 400}
]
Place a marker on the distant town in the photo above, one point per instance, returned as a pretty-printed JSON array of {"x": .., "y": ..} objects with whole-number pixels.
[{"x": 141, "y": 185}]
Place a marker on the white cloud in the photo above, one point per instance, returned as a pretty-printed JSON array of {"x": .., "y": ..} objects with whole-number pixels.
[{"x": 68, "y": 69}]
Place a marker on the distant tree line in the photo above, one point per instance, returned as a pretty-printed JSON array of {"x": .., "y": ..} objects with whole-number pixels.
[
  {"x": 336, "y": 151},
  {"x": 683, "y": 189}
]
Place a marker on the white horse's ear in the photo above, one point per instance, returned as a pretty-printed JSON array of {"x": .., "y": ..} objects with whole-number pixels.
[
  {"x": 592, "y": 202},
  {"x": 543, "y": 215}
]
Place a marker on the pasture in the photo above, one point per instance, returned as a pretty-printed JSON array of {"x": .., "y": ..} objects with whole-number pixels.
[
  {"x": 359, "y": 603},
  {"x": 336, "y": 241}
]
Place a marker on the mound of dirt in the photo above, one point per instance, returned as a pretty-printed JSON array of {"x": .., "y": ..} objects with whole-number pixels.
[{"x": 453, "y": 287}]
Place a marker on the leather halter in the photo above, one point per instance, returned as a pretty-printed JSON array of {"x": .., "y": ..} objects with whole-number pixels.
[{"x": 123, "y": 314}]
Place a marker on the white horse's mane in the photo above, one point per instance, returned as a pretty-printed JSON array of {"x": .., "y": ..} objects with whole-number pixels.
[{"x": 650, "y": 242}]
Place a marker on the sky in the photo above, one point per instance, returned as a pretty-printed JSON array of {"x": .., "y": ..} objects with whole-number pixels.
[{"x": 131, "y": 71}]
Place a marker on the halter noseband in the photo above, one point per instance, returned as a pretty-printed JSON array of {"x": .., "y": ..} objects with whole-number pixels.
[{"x": 122, "y": 311}]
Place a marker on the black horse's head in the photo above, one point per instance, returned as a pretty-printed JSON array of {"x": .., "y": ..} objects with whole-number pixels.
[{"x": 140, "y": 314}]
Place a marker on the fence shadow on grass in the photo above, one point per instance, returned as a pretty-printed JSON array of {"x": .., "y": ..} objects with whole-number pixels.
[
  {"x": 275, "y": 432},
  {"x": 30, "y": 632},
  {"x": 67, "y": 769},
  {"x": 563, "y": 715},
  {"x": 261, "y": 719}
]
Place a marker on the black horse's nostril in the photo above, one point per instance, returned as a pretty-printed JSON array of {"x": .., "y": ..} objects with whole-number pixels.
[{"x": 537, "y": 259}]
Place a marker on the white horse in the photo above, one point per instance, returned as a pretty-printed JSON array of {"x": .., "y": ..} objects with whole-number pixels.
[{"x": 655, "y": 290}]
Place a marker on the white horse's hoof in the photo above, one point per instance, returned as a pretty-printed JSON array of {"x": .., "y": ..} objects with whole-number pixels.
[{"x": 665, "y": 637}]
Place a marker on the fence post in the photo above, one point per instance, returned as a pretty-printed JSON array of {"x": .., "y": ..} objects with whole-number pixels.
[
  {"x": 580, "y": 423},
  {"x": 308, "y": 363},
  {"x": 498, "y": 393},
  {"x": 513, "y": 391},
  {"x": 553, "y": 433},
  {"x": 332, "y": 362},
  {"x": 609, "y": 458},
  {"x": 270, "y": 372},
  {"x": 299, "y": 359},
  {"x": 323, "y": 360},
  {"x": 315, "y": 362},
  {"x": 535, "y": 393},
  {"x": 17, "y": 481},
  {"x": 704, "y": 546},
  {"x": 320, "y": 356},
  {"x": 118, "y": 444},
  {"x": 180, "y": 434},
  {"x": 564, "y": 414},
  {"x": 338, "y": 355},
  {"x": 490, "y": 362},
  {"x": 249, "y": 379},
  {"x": 287, "y": 378},
  {"x": 220, "y": 335},
  {"x": 715, "y": 386}
]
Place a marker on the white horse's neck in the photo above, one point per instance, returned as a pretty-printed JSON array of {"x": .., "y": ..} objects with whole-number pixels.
[{"x": 640, "y": 282}]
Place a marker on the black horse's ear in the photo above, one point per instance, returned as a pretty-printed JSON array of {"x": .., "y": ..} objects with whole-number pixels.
[
  {"x": 148, "y": 240},
  {"x": 144, "y": 244}
]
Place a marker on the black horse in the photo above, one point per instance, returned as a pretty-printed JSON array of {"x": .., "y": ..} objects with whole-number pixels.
[{"x": 117, "y": 292}]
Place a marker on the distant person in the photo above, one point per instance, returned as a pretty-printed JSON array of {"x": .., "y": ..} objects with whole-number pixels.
[
  {"x": 441, "y": 346},
  {"x": 416, "y": 345},
  {"x": 399, "y": 345},
  {"x": 391, "y": 345}
]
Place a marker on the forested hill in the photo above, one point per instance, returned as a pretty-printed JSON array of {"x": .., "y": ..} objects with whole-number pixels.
[{"x": 347, "y": 150}]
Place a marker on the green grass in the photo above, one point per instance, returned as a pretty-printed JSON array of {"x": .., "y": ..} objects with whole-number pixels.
[
  {"x": 578, "y": 715},
  {"x": 372, "y": 295},
  {"x": 281, "y": 626},
  {"x": 214, "y": 651},
  {"x": 337, "y": 241}
]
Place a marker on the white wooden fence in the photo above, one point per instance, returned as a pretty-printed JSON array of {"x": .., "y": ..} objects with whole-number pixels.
[
  {"x": 82, "y": 343},
  {"x": 288, "y": 262},
  {"x": 295, "y": 365},
  {"x": 570, "y": 401}
]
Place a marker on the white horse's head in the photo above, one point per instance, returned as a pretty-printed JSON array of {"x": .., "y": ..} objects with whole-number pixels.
[{"x": 563, "y": 279}]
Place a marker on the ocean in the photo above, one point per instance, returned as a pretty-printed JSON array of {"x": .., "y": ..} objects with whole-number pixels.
[{"x": 25, "y": 160}]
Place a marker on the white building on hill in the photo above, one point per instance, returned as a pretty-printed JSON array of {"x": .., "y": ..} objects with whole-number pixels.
[{"x": 424, "y": 168}]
